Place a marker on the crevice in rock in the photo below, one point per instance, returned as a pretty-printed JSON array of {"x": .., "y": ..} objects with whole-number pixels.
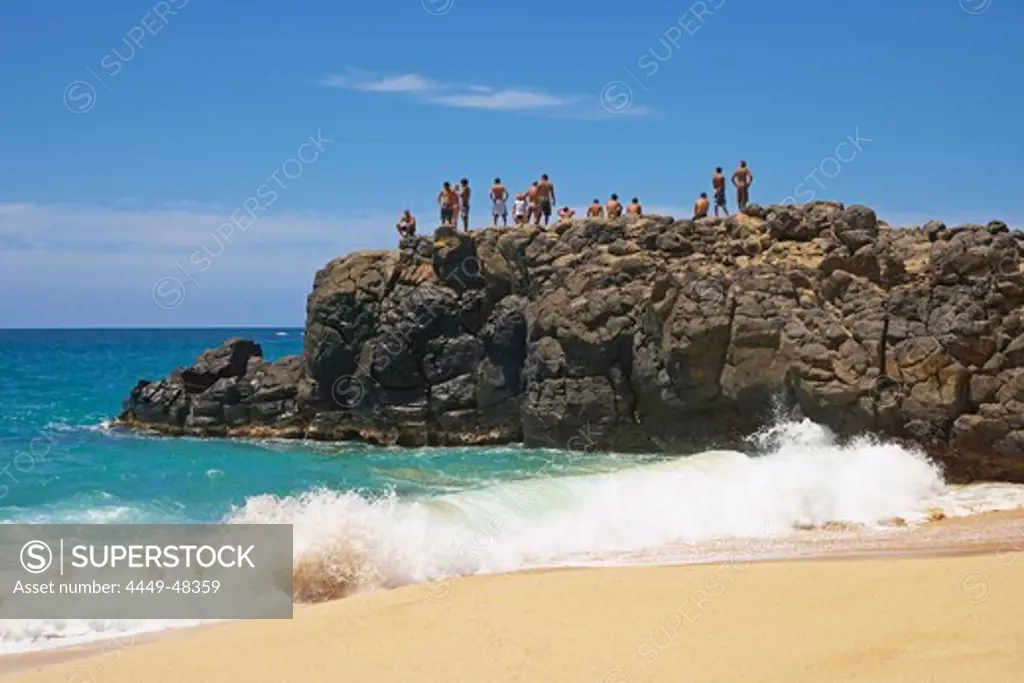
[
  {"x": 429, "y": 423},
  {"x": 526, "y": 291},
  {"x": 396, "y": 276},
  {"x": 728, "y": 345},
  {"x": 882, "y": 364},
  {"x": 928, "y": 310}
]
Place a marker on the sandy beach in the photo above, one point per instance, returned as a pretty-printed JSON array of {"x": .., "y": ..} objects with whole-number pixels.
[{"x": 937, "y": 618}]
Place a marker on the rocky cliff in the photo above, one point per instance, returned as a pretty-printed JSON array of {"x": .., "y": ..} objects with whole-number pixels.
[{"x": 653, "y": 334}]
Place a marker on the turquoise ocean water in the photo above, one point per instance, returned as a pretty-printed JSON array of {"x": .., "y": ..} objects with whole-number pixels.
[{"x": 58, "y": 463}]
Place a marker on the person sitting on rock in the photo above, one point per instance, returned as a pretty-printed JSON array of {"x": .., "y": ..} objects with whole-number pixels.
[
  {"x": 614, "y": 207},
  {"x": 406, "y": 225},
  {"x": 700, "y": 207},
  {"x": 499, "y": 199},
  {"x": 565, "y": 214},
  {"x": 634, "y": 208},
  {"x": 447, "y": 199},
  {"x": 521, "y": 209},
  {"x": 595, "y": 210},
  {"x": 718, "y": 185}
]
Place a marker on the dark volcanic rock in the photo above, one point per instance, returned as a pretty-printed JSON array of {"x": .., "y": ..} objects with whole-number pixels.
[
  {"x": 641, "y": 335},
  {"x": 228, "y": 360},
  {"x": 229, "y": 388}
]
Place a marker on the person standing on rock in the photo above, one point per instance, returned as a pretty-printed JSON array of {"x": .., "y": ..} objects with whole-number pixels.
[
  {"x": 499, "y": 202},
  {"x": 406, "y": 225},
  {"x": 531, "y": 200},
  {"x": 614, "y": 207},
  {"x": 595, "y": 210},
  {"x": 545, "y": 198},
  {"x": 742, "y": 179},
  {"x": 521, "y": 209},
  {"x": 447, "y": 199},
  {"x": 457, "y": 204},
  {"x": 700, "y": 207},
  {"x": 718, "y": 185},
  {"x": 464, "y": 193}
]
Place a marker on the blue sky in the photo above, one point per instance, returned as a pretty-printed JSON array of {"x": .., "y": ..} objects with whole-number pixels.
[{"x": 133, "y": 131}]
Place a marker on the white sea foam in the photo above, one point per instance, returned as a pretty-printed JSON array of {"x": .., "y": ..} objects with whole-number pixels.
[
  {"x": 26, "y": 635},
  {"x": 346, "y": 542}
]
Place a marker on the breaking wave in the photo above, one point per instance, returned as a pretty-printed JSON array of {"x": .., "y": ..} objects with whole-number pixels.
[{"x": 799, "y": 477}]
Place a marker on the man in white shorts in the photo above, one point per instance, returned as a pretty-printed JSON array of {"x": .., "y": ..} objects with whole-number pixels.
[{"x": 499, "y": 197}]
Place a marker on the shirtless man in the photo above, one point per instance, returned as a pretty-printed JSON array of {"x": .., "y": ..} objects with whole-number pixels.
[
  {"x": 614, "y": 207},
  {"x": 595, "y": 210},
  {"x": 447, "y": 199},
  {"x": 700, "y": 207},
  {"x": 406, "y": 225},
  {"x": 565, "y": 214},
  {"x": 499, "y": 199},
  {"x": 718, "y": 184},
  {"x": 533, "y": 213},
  {"x": 742, "y": 179},
  {"x": 464, "y": 193},
  {"x": 634, "y": 208},
  {"x": 545, "y": 198}
]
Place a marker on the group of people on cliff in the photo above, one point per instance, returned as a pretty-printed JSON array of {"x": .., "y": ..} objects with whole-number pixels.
[{"x": 538, "y": 202}]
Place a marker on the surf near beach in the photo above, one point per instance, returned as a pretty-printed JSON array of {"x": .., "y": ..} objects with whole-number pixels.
[{"x": 797, "y": 494}]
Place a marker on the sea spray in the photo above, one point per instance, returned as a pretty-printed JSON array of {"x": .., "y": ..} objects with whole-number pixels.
[{"x": 798, "y": 477}]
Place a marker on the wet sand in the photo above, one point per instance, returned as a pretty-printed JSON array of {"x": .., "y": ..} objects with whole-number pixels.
[{"x": 934, "y": 616}]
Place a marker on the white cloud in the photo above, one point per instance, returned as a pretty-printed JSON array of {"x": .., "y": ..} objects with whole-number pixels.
[
  {"x": 502, "y": 100},
  {"x": 69, "y": 265},
  {"x": 473, "y": 96},
  {"x": 353, "y": 79}
]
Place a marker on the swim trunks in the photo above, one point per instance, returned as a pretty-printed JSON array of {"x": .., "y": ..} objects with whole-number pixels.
[
  {"x": 743, "y": 194},
  {"x": 720, "y": 197},
  {"x": 545, "y": 207},
  {"x": 446, "y": 215},
  {"x": 465, "y": 210},
  {"x": 498, "y": 208}
]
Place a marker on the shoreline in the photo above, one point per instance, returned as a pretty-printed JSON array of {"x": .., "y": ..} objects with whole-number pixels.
[
  {"x": 996, "y": 536},
  {"x": 880, "y": 620}
]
